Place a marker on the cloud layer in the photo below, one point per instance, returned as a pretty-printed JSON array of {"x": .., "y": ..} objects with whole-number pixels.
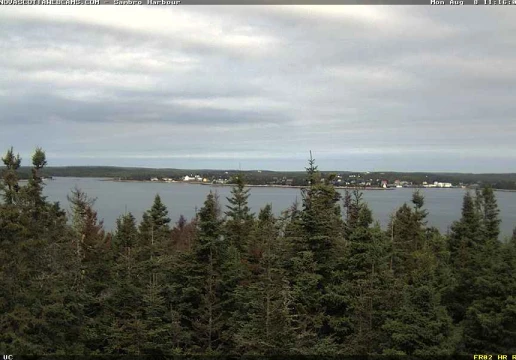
[{"x": 364, "y": 87}]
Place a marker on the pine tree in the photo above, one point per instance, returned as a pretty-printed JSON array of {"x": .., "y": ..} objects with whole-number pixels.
[
  {"x": 318, "y": 297},
  {"x": 407, "y": 236},
  {"x": 152, "y": 264},
  {"x": 154, "y": 230},
  {"x": 267, "y": 327},
  {"x": 464, "y": 239},
  {"x": 126, "y": 231},
  {"x": 11, "y": 225},
  {"x": 486, "y": 296},
  {"x": 154, "y": 237},
  {"x": 235, "y": 270},
  {"x": 89, "y": 233},
  {"x": 366, "y": 276},
  {"x": 240, "y": 221},
  {"x": 417, "y": 324},
  {"x": 209, "y": 253},
  {"x": 195, "y": 284},
  {"x": 93, "y": 254},
  {"x": 321, "y": 218},
  {"x": 477, "y": 301},
  {"x": 34, "y": 187},
  {"x": 357, "y": 214},
  {"x": 10, "y": 177},
  {"x": 126, "y": 328},
  {"x": 490, "y": 214}
]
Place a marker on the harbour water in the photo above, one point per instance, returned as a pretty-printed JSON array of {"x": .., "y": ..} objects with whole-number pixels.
[{"x": 115, "y": 198}]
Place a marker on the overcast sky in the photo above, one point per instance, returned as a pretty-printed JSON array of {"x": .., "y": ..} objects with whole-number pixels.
[{"x": 364, "y": 87}]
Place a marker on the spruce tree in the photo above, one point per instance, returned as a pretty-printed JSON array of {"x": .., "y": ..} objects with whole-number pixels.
[
  {"x": 267, "y": 327},
  {"x": 195, "y": 284},
  {"x": 318, "y": 294},
  {"x": 486, "y": 296},
  {"x": 126, "y": 231},
  {"x": 10, "y": 185},
  {"x": 418, "y": 323},
  {"x": 93, "y": 253},
  {"x": 11, "y": 225},
  {"x": 464, "y": 241},
  {"x": 154, "y": 237},
  {"x": 126, "y": 329},
  {"x": 152, "y": 265},
  {"x": 235, "y": 267},
  {"x": 366, "y": 275},
  {"x": 209, "y": 253},
  {"x": 490, "y": 214},
  {"x": 407, "y": 236},
  {"x": 240, "y": 219},
  {"x": 34, "y": 187}
]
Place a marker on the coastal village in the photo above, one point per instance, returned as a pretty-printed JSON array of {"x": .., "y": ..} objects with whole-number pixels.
[
  {"x": 353, "y": 180},
  {"x": 193, "y": 179}
]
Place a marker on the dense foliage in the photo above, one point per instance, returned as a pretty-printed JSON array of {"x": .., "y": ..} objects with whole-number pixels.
[{"x": 323, "y": 278}]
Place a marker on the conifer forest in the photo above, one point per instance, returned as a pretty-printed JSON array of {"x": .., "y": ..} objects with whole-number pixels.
[{"x": 322, "y": 279}]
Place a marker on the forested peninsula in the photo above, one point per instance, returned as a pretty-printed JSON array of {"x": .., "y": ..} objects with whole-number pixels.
[{"x": 321, "y": 279}]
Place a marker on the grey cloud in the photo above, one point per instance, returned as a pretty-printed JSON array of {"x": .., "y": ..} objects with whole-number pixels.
[{"x": 408, "y": 88}]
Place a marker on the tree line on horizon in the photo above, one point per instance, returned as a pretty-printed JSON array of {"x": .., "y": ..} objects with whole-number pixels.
[
  {"x": 321, "y": 279},
  {"x": 505, "y": 181}
]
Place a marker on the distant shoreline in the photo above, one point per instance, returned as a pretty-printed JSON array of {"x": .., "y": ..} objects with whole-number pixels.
[
  {"x": 247, "y": 185},
  {"x": 282, "y": 186}
]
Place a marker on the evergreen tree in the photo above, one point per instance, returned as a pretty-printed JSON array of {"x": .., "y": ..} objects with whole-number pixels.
[
  {"x": 182, "y": 235},
  {"x": 309, "y": 282},
  {"x": 195, "y": 284},
  {"x": 418, "y": 324},
  {"x": 486, "y": 296},
  {"x": 154, "y": 228},
  {"x": 357, "y": 213},
  {"x": 267, "y": 327},
  {"x": 321, "y": 219},
  {"x": 464, "y": 241},
  {"x": 126, "y": 328},
  {"x": 367, "y": 276},
  {"x": 126, "y": 231},
  {"x": 240, "y": 221},
  {"x": 153, "y": 261},
  {"x": 10, "y": 185},
  {"x": 209, "y": 253},
  {"x": 407, "y": 236},
  {"x": 41, "y": 313},
  {"x": 318, "y": 296},
  {"x": 235, "y": 270},
  {"x": 89, "y": 233},
  {"x": 154, "y": 236},
  {"x": 490, "y": 214},
  {"x": 93, "y": 254},
  {"x": 34, "y": 187},
  {"x": 11, "y": 225}
]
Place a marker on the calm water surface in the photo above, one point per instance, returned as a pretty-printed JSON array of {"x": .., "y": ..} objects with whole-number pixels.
[{"x": 114, "y": 198}]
